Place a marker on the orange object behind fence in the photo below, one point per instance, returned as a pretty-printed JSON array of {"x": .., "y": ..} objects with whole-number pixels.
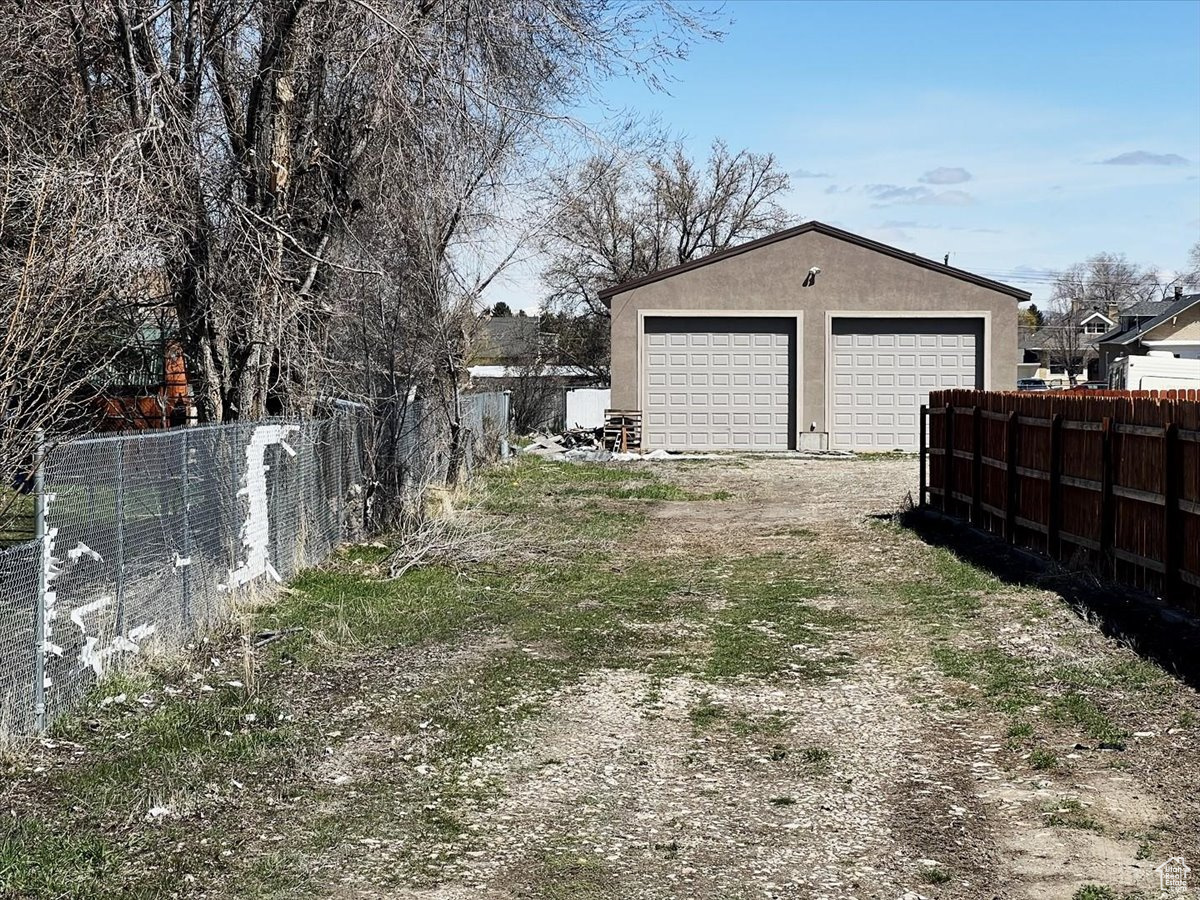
[{"x": 1107, "y": 479}]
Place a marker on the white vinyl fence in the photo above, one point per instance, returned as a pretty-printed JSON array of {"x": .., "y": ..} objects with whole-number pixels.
[{"x": 586, "y": 406}]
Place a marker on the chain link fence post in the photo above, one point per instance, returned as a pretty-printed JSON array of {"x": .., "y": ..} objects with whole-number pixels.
[
  {"x": 119, "y": 512},
  {"x": 43, "y": 554},
  {"x": 186, "y": 562}
]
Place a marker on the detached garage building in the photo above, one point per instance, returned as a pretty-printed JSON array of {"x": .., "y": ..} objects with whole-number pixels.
[{"x": 746, "y": 350}]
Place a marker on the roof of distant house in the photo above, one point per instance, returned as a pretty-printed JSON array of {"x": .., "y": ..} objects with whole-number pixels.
[
  {"x": 507, "y": 338},
  {"x": 525, "y": 372},
  {"x": 1040, "y": 338},
  {"x": 1145, "y": 308},
  {"x": 1149, "y": 314}
]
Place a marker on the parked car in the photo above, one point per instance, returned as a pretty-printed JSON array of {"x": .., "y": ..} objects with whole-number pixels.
[
  {"x": 1091, "y": 386},
  {"x": 1032, "y": 384}
]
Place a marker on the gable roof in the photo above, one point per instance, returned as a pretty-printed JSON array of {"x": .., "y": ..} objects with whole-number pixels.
[
  {"x": 1167, "y": 309},
  {"x": 1146, "y": 309},
  {"x": 507, "y": 337},
  {"x": 1096, "y": 314},
  {"x": 829, "y": 231}
]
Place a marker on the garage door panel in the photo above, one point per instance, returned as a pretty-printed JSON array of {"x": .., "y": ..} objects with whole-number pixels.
[
  {"x": 891, "y": 369},
  {"x": 738, "y": 387}
]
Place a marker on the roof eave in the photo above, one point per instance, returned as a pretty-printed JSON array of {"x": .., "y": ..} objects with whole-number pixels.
[{"x": 607, "y": 294}]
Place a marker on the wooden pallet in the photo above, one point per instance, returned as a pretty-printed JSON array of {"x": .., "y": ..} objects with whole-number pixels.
[{"x": 622, "y": 430}]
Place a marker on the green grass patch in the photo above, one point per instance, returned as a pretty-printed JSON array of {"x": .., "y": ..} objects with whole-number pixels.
[
  {"x": 17, "y": 517},
  {"x": 353, "y": 610},
  {"x": 1095, "y": 892},
  {"x": 1020, "y": 731},
  {"x": 39, "y": 860},
  {"x": 1008, "y": 682},
  {"x": 767, "y": 622},
  {"x": 1135, "y": 675},
  {"x": 816, "y": 759},
  {"x": 769, "y": 725},
  {"x": 1071, "y": 814},
  {"x": 566, "y": 876},
  {"x": 148, "y": 757},
  {"x": 948, "y": 592},
  {"x": 934, "y": 875},
  {"x": 1078, "y": 710},
  {"x": 95, "y": 839},
  {"x": 650, "y": 491},
  {"x": 1043, "y": 760},
  {"x": 705, "y": 713}
]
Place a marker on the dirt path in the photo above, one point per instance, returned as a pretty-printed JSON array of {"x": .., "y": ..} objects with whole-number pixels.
[
  {"x": 883, "y": 781},
  {"x": 696, "y": 680}
]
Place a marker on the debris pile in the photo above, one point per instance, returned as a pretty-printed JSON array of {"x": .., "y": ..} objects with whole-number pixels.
[{"x": 587, "y": 445}]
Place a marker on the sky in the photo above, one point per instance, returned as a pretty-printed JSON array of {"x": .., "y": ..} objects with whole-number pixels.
[{"x": 1018, "y": 137}]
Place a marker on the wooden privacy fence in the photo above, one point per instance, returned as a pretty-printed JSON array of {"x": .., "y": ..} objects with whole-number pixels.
[{"x": 1110, "y": 480}]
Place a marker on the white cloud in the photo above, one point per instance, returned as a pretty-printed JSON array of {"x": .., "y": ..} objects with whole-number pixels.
[
  {"x": 1145, "y": 158},
  {"x": 894, "y": 195},
  {"x": 945, "y": 175}
]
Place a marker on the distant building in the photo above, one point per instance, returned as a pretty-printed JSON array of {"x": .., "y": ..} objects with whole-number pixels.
[
  {"x": 511, "y": 353},
  {"x": 1167, "y": 326},
  {"x": 1044, "y": 350},
  {"x": 508, "y": 341}
]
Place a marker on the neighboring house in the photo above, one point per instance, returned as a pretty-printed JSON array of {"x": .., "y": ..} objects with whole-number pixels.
[
  {"x": 508, "y": 347},
  {"x": 1044, "y": 350},
  {"x": 511, "y": 354},
  {"x": 1168, "y": 326},
  {"x": 812, "y": 337},
  {"x": 146, "y": 384},
  {"x": 507, "y": 341}
]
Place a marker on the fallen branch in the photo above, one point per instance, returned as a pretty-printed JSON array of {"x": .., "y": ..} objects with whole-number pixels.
[{"x": 439, "y": 540}]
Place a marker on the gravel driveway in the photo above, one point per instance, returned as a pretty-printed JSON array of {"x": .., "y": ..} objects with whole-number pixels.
[{"x": 725, "y": 678}]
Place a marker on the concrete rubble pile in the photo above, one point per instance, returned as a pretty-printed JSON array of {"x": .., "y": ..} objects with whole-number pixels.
[{"x": 586, "y": 445}]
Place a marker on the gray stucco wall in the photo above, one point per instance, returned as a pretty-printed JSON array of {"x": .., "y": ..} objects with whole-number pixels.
[{"x": 853, "y": 279}]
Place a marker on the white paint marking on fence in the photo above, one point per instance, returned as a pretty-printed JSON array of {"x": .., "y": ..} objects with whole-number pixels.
[
  {"x": 80, "y": 550},
  {"x": 95, "y": 657},
  {"x": 87, "y": 609},
  {"x": 256, "y": 530},
  {"x": 90, "y": 657},
  {"x": 142, "y": 631}
]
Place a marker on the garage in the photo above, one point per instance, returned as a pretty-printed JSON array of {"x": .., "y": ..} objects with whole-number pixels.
[
  {"x": 813, "y": 338},
  {"x": 882, "y": 371},
  {"x": 719, "y": 383}
]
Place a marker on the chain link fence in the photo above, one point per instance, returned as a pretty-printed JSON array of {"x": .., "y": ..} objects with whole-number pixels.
[{"x": 146, "y": 539}]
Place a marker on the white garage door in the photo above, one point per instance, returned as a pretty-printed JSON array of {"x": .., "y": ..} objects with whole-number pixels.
[
  {"x": 881, "y": 379},
  {"x": 717, "y": 390}
]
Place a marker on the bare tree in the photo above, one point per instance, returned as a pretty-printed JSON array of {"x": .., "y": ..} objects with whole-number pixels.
[
  {"x": 273, "y": 139},
  {"x": 619, "y": 217},
  {"x": 1107, "y": 283},
  {"x": 1190, "y": 278},
  {"x": 72, "y": 280}
]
